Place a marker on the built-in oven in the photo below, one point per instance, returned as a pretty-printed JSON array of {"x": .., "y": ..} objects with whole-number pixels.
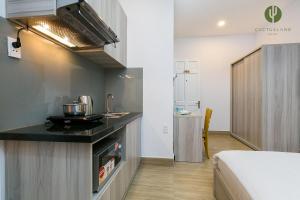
[{"x": 107, "y": 157}]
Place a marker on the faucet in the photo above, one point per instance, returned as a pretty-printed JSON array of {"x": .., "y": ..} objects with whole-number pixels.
[{"x": 108, "y": 103}]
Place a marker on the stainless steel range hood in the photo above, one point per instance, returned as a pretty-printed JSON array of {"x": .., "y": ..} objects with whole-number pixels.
[{"x": 74, "y": 25}]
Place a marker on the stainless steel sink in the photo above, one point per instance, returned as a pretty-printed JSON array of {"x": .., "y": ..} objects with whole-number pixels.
[{"x": 115, "y": 115}]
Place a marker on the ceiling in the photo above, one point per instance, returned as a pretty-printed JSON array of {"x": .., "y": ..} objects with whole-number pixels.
[{"x": 194, "y": 18}]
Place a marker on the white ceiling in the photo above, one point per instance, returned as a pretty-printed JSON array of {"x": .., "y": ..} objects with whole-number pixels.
[{"x": 199, "y": 17}]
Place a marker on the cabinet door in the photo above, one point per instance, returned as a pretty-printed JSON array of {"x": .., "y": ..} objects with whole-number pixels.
[
  {"x": 281, "y": 97},
  {"x": 104, "y": 9},
  {"x": 187, "y": 139},
  {"x": 133, "y": 149},
  {"x": 121, "y": 181},
  {"x": 111, "y": 12},
  {"x": 118, "y": 51},
  {"x": 253, "y": 98},
  {"x": 106, "y": 195},
  {"x": 117, "y": 187},
  {"x": 126, "y": 175},
  {"x": 238, "y": 100},
  {"x": 139, "y": 142},
  {"x": 130, "y": 148},
  {"x": 247, "y": 99}
]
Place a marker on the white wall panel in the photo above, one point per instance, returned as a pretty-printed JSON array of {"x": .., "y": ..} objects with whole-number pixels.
[{"x": 151, "y": 46}]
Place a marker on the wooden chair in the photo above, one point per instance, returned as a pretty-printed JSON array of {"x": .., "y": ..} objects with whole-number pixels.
[{"x": 208, "y": 114}]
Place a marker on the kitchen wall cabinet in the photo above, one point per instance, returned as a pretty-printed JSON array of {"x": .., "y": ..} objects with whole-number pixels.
[
  {"x": 118, "y": 23},
  {"x": 105, "y": 10},
  {"x": 266, "y": 98},
  {"x": 112, "y": 13}
]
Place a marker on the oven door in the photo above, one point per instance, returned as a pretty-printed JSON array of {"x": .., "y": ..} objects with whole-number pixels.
[{"x": 105, "y": 161}]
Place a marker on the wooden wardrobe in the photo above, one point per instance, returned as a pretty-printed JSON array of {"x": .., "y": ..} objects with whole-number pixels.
[{"x": 265, "y": 98}]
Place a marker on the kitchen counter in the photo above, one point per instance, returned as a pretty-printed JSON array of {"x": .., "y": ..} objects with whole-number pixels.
[
  {"x": 47, "y": 163},
  {"x": 70, "y": 133}
]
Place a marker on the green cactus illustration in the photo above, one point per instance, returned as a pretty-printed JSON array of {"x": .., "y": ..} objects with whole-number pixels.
[{"x": 273, "y": 14}]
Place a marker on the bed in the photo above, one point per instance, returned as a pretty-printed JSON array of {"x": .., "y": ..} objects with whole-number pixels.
[{"x": 257, "y": 175}]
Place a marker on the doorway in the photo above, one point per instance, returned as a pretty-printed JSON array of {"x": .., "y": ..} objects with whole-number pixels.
[{"x": 187, "y": 86}]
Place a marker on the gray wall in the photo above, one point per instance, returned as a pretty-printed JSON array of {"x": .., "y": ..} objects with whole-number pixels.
[
  {"x": 126, "y": 85},
  {"x": 47, "y": 76}
]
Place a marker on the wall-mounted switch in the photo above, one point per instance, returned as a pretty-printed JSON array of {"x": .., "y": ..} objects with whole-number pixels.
[{"x": 13, "y": 52}]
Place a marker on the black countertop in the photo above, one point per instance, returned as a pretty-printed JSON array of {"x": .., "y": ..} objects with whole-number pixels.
[{"x": 71, "y": 133}]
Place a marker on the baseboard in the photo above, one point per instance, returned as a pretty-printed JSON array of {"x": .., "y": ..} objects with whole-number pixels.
[
  {"x": 245, "y": 142},
  {"x": 219, "y": 132},
  {"x": 158, "y": 161}
]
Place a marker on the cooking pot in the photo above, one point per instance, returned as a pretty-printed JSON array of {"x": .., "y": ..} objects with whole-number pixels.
[{"x": 74, "y": 109}]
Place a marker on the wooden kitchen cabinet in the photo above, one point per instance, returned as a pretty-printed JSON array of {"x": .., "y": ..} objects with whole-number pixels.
[
  {"x": 105, "y": 195},
  {"x": 118, "y": 23},
  {"x": 118, "y": 188},
  {"x": 133, "y": 150},
  {"x": 112, "y": 13},
  {"x": 121, "y": 180},
  {"x": 105, "y": 10},
  {"x": 265, "y": 98},
  {"x": 69, "y": 163}
]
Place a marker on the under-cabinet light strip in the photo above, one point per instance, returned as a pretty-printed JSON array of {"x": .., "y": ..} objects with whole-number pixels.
[{"x": 44, "y": 29}]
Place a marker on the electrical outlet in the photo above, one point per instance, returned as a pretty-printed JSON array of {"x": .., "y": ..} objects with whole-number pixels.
[
  {"x": 165, "y": 129},
  {"x": 13, "y": 52}
]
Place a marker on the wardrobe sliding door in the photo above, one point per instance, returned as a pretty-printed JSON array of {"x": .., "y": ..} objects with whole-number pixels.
[
  {"x": 247, "y": 99},
  {"x": 238, "y": 99},
  {"x": 281, "y": 97}
]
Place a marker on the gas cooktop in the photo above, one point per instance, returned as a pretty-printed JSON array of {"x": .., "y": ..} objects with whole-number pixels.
[{"x": 75, "y": 119}]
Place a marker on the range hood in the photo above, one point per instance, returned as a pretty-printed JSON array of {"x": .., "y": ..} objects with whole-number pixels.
[{"x": 75, "y": 26}]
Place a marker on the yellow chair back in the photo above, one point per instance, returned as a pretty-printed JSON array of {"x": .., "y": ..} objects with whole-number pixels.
[{"x": 208, "y": 114}]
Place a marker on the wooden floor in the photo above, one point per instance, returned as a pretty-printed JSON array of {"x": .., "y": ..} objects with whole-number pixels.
[{"x": 188, "y": 181}]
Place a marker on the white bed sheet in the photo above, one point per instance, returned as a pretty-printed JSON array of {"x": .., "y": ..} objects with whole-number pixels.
[{"x": 260, "y": 175}]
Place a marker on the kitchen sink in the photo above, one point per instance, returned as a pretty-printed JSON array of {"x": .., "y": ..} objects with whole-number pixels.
[{"x": 115, "y": 115}]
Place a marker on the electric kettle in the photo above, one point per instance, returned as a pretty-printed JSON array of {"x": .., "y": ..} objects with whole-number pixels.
[{"x": 89, "y": 104}]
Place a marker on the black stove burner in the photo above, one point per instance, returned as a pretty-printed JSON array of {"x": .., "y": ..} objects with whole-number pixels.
[
  {"x": 86, "y": 128},
  {"x": 75, "y": 119}
]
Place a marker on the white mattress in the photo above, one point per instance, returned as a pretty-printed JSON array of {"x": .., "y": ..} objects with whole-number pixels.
[{"x": 260, "y": 175}]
